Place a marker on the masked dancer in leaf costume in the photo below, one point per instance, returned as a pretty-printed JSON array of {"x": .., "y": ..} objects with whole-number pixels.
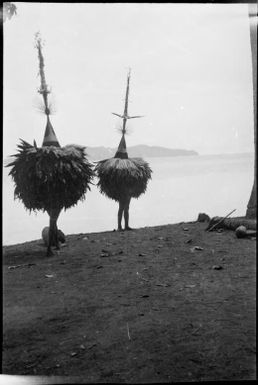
[
  {"x": 50, "y": 178},
  {"x": 122, "y": 178}
]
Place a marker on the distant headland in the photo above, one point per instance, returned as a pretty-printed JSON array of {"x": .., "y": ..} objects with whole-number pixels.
[{"x": 138, "y": 151}]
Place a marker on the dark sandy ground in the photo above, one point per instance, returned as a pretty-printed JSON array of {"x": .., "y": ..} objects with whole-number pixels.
[{"x": 138, "y": 306}]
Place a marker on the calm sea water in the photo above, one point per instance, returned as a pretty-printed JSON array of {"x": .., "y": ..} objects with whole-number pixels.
[{"x": 180, "y": 189}]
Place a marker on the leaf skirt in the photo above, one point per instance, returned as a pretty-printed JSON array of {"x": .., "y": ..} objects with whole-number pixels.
[
  {"x": 122, "y": 177},
  {"x": 50, "y": 177}
]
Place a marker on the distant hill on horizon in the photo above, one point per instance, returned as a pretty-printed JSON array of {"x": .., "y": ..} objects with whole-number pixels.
[{"x": 138, "y": 151}]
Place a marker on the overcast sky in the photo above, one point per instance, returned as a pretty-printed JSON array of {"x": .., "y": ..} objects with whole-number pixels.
[{"x": 191, "y": 74}]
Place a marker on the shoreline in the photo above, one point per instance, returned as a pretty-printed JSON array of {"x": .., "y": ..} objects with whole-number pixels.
[
  {"x": 72, "y": 235},
  {"x": 99, "y": 233}
]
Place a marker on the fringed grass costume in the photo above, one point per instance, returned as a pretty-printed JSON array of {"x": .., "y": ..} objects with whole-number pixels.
[
  {"x": 50, "y": 178},
  {"x": 122, "y": 178}
]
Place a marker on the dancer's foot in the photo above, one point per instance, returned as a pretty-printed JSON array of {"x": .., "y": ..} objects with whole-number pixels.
[
  {"x": 120, "y": 229},
  {"x": 50, "y": 253},
  {"x": 128, "y": 228}
]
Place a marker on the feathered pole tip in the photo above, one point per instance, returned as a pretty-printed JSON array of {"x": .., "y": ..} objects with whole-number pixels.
[
  {"x": 50, "y": 138},
  {"x": 44, "y": 90}
]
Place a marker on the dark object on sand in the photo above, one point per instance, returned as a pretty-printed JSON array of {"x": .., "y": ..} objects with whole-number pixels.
[
  {"x": 202, "y": 217},
  {"x": 122, "y": 178},
  {"x": 217, "y": 267},
  {"x": 216, "y": 221},
  {"x": 50, "y": 178},
  {"x": 231, "y": 223},
  {"x": 242, "y": 232},
  {"x": 45, "y": 236}
]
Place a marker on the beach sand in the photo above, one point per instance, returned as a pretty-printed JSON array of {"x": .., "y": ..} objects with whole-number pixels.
[{"x": 138, "y": 306}]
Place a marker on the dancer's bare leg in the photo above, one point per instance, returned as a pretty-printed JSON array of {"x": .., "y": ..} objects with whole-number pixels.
[
  {"x": 53, "y": 231},
  {"x": 120, "y": 214},
  {"x": 126, "y": 213},
  {"x": 52, "y": 236}
]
